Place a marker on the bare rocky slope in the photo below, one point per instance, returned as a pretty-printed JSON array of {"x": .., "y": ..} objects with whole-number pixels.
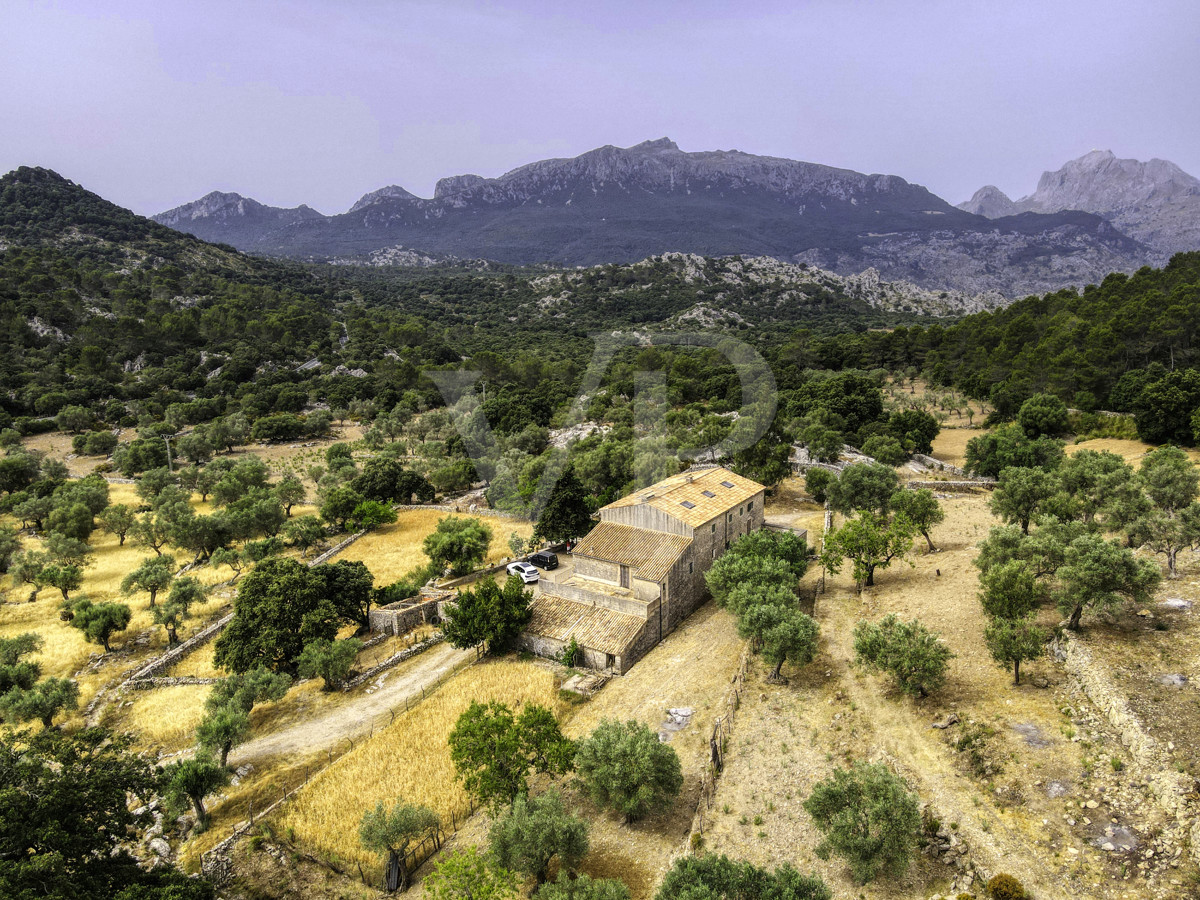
[
  {"x": 623, "y": 204},
  {"x": 1155, "y": 202}
]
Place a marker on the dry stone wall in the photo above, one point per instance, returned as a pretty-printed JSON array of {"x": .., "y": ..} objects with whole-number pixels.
[{"x": 1172, "y": 790}]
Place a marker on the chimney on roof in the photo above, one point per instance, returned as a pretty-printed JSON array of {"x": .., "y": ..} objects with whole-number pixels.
[
  {"x": 690, "y": 478},
  {"x": 646, "y": 498}
]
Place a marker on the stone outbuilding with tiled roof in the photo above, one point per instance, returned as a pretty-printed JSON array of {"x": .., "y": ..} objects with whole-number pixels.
[{"x": 644, "y": 562}]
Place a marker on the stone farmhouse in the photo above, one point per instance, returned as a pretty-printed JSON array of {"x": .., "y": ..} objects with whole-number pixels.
[{"x": 640, "y": 572}]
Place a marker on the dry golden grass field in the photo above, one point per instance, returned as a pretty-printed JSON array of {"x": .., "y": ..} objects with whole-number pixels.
[
  {"x": 950, "y": 446},
  {"x": 394, "y": 550},
  {"x": 408, "y": 760},
  {"x": 164, "y": 719},
  {"x": 65, "y": 652},
  {"x": 1022, "y": 817}
]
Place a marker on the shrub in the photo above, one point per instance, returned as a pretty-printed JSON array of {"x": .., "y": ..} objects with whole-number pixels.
[
  {"x": 713, "y": 876},
  {"x": 469, "y": 875},
  {"x": 572, "y": 653},
  {"x": 370, "y": 514},
  {"x": 1005, "y": 887},
  {"x": 583, "y": 888}
]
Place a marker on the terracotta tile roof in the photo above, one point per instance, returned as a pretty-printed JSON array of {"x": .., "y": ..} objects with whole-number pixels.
[
  {"x": 649, "y": 554},
  {"x": 594, "y": 627},
  {"x": 709, "y": 492}
]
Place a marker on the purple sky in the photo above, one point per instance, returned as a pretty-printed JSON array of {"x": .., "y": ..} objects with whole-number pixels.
[{"x": 152, "y": 104}]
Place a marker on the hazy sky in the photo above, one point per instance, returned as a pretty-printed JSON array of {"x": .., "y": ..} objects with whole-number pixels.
[{"x": 152, "y": 104}]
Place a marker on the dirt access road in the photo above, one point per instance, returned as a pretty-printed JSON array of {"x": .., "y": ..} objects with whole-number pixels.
[{"x": 359, "y": 713}]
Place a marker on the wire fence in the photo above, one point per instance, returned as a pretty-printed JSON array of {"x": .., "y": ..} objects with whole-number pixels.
[{"x": 215, "y": 863}]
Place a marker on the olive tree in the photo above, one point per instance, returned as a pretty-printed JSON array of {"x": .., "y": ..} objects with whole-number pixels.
[
  {"x": 869, "y": 817},
  {"x": 393, "y": 830},
  {"x": 534, "y": 831},
  {"x": 1097, "y": 575},
  {"x": 624, "y": 766},
  {"x": 913, "y": 655},
  {"x": 458, "y": 543},
  {"x": 191, "y": 780},
  {"x": 1013, "y": 641}
]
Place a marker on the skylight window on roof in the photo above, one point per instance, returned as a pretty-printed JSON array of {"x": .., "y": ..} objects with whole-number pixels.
[
  {"x": 726, "y": 484},
  {"x": 687, "y": 504},
  {"x": 708, "y": 493}
]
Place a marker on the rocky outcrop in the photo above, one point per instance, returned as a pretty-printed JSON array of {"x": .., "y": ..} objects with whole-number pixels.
[
  {"x": 1173, "y": 791},
  {"x": 1024, "y": 254}
]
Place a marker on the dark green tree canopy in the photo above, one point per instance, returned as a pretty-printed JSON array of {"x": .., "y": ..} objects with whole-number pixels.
[
  {"x": 912, "y": 654},
  {"x": 565, "y": 515},
  {"x": 281, "y": 606},
  {"x": 1043, "y": 414},
  {"x": 717, "y": 877},
  {"x": 863, "y": 486},
  {"x": 494, "y": 751},
  {"x": 534, "y": 831},
  {"x": 1009, "y": 446},
  {"x": 65, "y": 815},
  {"x": 488, "y": 614},
  {"x": 458, "y": 543},
  {"x": 869, "y": 817}
]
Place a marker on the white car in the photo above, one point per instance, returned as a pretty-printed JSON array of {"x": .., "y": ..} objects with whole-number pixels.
[{"x": 526, "y": 572}]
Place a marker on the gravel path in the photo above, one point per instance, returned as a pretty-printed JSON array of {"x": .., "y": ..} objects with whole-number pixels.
[{"x": 361, "y": 712}]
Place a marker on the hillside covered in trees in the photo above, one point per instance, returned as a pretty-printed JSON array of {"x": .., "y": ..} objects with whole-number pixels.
[
  {"x": 110, "y": 313},
  {"x": 1126, "y": 345}
]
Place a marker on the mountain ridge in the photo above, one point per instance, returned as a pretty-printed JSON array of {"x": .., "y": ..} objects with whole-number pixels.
[{"x": 619, "y": 205}]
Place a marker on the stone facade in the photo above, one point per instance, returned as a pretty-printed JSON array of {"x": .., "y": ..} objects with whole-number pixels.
[{"x": 648, "y": 558}]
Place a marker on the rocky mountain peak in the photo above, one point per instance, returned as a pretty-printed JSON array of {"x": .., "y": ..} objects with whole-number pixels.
[
  {"x": 663, "y": 143},
  {"x": 991, "y": 202},
  {"x": 456, "y": 184},
  {"x": 391, "y": 192},
  {"x": 1154, "y": 201},
  {"x": 1099, "y": 182}
]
